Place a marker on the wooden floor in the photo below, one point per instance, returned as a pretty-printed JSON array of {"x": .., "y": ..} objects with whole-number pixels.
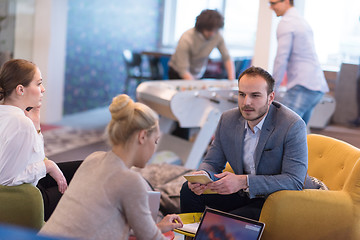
[{"x": 345, "y": 133}]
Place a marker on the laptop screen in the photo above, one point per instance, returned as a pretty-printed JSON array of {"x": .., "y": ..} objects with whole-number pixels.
[{"x": 220, "y": 225}]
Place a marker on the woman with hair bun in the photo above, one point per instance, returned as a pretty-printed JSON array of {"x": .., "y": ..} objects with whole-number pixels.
[
  {"x": 22, "y": 156},
  {"x": 105, "y": 198}
]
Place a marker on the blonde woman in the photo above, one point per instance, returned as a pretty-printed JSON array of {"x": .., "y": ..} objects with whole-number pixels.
[{"x": 105, "y": 198}]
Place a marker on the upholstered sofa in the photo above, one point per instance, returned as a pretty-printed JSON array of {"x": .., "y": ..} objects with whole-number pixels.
[
  {"x": 22, "y": 206},
  {"x": 319, "y": 214}
]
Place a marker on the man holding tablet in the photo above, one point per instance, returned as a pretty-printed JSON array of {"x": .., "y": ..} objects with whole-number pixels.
[{"x": 265, "y": 144}]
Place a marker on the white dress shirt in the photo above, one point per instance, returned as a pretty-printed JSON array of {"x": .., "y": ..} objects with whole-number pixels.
[
  {"x": 21, "y": 148},
  {"x": 296, "y": 54},
  {"x": 250, "y": 142}
]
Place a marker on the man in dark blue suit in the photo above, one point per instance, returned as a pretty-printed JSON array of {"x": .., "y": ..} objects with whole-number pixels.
[{"x": 264, "y": 143}]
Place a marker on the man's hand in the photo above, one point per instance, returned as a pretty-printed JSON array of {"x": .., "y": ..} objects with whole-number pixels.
[
  {"x": 230, "y": 69},
  {"x": 197, "y": 188},
  {"x": 228, "y": 183},
  {"x": 54, "y": 171},
  {"x": 188, "y": 76}
]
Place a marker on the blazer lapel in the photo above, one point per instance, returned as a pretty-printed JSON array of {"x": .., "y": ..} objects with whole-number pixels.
[
  {"x": 266, "y": 130},
  {"x": 239, "y": 145}
]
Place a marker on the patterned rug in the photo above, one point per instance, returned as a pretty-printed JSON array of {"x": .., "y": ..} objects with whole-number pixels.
[{"x": 63, "y": 139}]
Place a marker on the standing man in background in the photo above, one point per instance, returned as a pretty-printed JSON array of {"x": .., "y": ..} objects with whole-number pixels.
[
  {"x": 297, "y": 57},
  {"x": 195, "y": 45}
]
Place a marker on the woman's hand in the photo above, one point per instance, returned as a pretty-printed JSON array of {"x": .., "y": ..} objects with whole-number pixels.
[
  {"x": 54, "y": 171},
  {"x": 169, "y": 223},
  {"x": 34, "y": 115}
]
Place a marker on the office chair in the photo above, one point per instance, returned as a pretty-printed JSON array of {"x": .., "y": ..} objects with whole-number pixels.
[
  {"x": 314, "y": 213},
  {"x": 319, "y": 214}
]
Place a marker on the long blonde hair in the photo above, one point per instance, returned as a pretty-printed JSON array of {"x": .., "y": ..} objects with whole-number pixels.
[{"x": 128, "y": 117}]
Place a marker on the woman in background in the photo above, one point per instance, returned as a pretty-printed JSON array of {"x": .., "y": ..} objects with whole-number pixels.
[
  {"x": 105, "y": 198},
  {"x": 22, "y": 156}
]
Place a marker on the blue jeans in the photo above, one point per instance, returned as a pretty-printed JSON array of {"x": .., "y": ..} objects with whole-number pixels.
[{"x": 302, "y": 101}]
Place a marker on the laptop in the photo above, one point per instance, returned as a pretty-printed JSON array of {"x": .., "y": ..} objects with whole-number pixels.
[
  {"x": 154, "y": 203},
  {"x": 216, "y": 224}
]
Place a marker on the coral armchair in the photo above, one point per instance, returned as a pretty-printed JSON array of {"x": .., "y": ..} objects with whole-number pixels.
[{"x": 319, "y": 214}]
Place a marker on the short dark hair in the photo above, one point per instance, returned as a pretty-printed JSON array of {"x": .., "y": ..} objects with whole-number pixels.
[
  {"x": 291, "y": 2},
  {"x": 257, "y": 71},
  {"x": 13, "y": 73},
  {"x": 209, "y": 20}
]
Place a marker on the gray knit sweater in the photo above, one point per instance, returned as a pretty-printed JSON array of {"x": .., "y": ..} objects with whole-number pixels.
[{"x": 104, "y": 200}]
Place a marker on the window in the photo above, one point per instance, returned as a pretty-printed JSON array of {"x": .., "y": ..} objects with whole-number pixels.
[
  {"x": 240, "y": 21},
  {"x": 336, "y": 26},
  {"x": 336, "y": 31}
]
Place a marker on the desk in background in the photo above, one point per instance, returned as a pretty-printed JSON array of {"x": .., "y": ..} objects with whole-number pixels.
[{"x": 159, "y": 58}]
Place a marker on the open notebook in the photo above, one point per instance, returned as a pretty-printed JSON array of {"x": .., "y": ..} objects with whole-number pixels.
[{"x": 224, "y": 226}]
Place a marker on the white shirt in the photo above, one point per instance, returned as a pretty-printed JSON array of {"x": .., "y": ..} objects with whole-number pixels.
[
  {"x": 21, "y": 148},
  {"x": 250, "y": 142},
  {"x": 296, "y": 54}
]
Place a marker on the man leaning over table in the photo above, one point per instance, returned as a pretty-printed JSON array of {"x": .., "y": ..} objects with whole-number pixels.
[{"x": 195, "y": 45}]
